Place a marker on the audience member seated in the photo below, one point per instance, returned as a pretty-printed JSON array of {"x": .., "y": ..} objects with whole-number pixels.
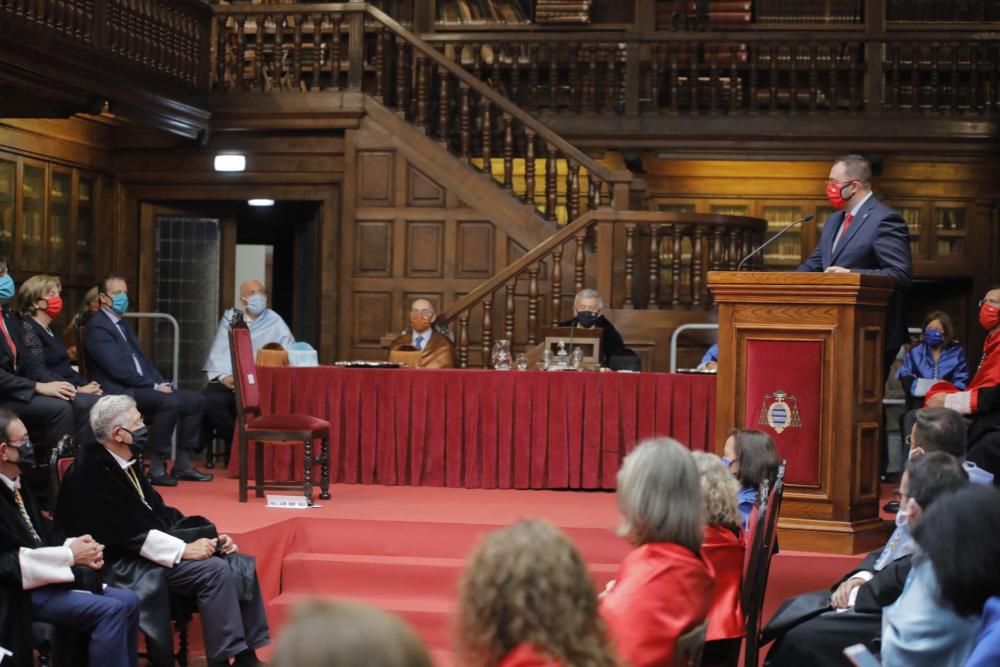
[
  {"x": 149, "y": 543},
  {"x": 37, "y": 577},
  {"x": 943, "y": 430},
  {"x": 936, "y": 357},
  {"x": 38, "y": 302},
  {"x": 266, "y": 326},
  {"x": 936, "y": 620},
  {"x": 43, "y": 406},
  {"x": 116, "y": 361},
  {"x": 91, "y": 305},
  {"x": 664, "y": 586},
  {"x": 724, "y": 548},
  {"x": 436, "y": 349},
  {"x": 710, "y": 361},
  {"x": 815, "y": 628},
  {"x": 324, "y": 634},
  {"x": 987, "y": 650},
  {"x": 980, "y": 401},
  {"x": 752, "y": 457},
  {"x": 588, "y": 313},
  {"x": 526, "y": 599}
]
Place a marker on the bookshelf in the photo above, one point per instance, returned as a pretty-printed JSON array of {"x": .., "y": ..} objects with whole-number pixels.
[
  {"x": 60, "y": 212},
  {"x": 8, "y": 205},
  {"x": 532, "y": 14},
  {"x": 85, "y": 226},
  {"x": 32, "y": 231},
  {"x": 786, "y": 253}
]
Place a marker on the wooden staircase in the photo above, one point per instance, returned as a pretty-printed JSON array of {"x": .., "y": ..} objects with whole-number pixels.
[{"x": 513, "y": 168}]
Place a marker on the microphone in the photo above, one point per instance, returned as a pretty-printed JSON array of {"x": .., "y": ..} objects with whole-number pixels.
[{"x": 805, "y": 218}]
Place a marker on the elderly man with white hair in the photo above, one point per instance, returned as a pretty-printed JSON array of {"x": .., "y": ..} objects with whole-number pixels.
[
  {"x": 266, "y": 326},
  {"x": 154, "y": 549},
  {"x": 588, "y": 313}
]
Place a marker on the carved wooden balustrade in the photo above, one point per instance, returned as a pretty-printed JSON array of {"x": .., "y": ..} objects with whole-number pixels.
[
  {"x": 760, "y": 71},
  {"x": 355, "y": 47},
  {"x": 164, "y": 37},
  {"x": 636, "y": 259}
]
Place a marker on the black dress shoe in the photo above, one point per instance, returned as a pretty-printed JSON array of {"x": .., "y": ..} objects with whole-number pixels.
[
  {"x": 162, "y": 479},
  {"x": 892, "y": 506},
  {"x": 191, "y": 475}
]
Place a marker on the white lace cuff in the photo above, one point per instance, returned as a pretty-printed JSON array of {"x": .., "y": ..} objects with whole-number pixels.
[{"x": 960, "y": 402}]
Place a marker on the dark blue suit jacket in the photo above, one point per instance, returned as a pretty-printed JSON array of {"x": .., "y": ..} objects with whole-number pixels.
[
  {"x": 109, "y": 357},
  {"x": 877, "y": 242}
]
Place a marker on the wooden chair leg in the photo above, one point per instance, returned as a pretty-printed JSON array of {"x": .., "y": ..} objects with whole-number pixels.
[
  {"x": 243, "y": 467},
  {"x": 258, "y": 454},
  {"x": 307, "y": 484},
  {"x": 182, "y": 642},
  {"x": 324, "y": 480},
  {"x": 210, "y": 453}
]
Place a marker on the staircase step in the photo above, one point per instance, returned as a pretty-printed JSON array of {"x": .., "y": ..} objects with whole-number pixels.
[
  {"x": 432, "y": 540},
  {"x": 431, "y": 619},
  {"x": 386, "y": 577}
]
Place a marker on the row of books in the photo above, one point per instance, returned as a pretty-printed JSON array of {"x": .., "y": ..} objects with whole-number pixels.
[
  {"x": 457, "y": 12},
  {"x": 810, "y": 11},
  {"x": 699, "y": 14},
  {"x": 562, "y": 11},
  {"x": 943, "y": 11}
]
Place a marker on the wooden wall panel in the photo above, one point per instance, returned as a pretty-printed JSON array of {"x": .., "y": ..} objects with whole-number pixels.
[
  {"x": 373, "y": 314},
  {"x": 375, "y": 178},
  {"x": 425, "y": 249},
  {"x": 422, "y": 190},
  {"x": 373, "y": 248},
  {"x": 474, "y": 249}
]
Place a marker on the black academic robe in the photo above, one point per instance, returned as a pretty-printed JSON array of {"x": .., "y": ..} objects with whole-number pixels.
[
  {"x": 97, "y": 497},
  {"x": 822, "y": 634},
  {"x": 15, "y": 602},
  {"x": 611, "y": 341}
]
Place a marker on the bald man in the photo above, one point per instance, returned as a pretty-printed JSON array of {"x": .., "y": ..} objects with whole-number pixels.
[
  {"x": 266, "y": 326},
  {"x": 436, "y": 350}
]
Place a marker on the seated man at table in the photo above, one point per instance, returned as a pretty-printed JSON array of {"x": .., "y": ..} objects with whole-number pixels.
[
  {"x": 436, "y": 350},
  {"x": 266, "y": 326},
  {"x": 588, "y": 313},
  {"x": 980, "y": 401},
  {"x": 119, "y": 365},
  {"x": 148, "y": 543}
]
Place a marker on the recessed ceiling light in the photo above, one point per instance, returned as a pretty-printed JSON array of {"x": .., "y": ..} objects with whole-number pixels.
[
  {"x": 260, "y": 202},
  {"x": 230, "y": 162}
]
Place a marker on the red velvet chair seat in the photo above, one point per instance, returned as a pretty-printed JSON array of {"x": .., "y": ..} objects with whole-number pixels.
[{"x": 299, "y": 423}]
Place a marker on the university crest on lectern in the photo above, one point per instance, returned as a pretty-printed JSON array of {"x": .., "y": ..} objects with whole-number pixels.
[{"x": 781, "y": 413}]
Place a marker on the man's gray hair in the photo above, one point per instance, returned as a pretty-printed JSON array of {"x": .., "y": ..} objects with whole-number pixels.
[
  {"x": 857, "y": 167},
  {"x": 659, "y": 494},
  {"x": 109, "y": 413},
  {"x": 589, "y": 294}
]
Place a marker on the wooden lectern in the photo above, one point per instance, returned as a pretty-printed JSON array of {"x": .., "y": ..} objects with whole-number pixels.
[{"x": 800, "y": 358}]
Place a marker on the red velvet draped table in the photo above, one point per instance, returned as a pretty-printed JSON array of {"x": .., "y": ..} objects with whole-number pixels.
[{"x": 481, "y": 428}]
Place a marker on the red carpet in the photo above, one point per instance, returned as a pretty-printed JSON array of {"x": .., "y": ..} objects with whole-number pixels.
[{"x": 403, "y": 548}]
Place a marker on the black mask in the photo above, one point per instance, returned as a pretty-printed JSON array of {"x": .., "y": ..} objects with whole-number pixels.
[
  {"x": 586, "y": 318},
  {"x": 26, "y": 452},
  {"x": 140, "y": 438}
]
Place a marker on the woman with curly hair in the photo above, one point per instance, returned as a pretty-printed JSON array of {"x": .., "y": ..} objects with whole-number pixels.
[
  {"x": 527, "y": 600},
  {"x": 664, "y": 585},
  {"x": 724, "y": 547}
]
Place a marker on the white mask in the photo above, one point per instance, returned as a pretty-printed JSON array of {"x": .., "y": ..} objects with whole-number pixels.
[{"x": 256, "y": 303}]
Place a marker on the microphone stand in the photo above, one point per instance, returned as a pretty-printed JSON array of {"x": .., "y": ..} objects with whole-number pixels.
[{"x": 805, "y": 218}]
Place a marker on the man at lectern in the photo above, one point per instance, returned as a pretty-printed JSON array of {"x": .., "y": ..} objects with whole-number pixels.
[{"x": 865, "y": 236}]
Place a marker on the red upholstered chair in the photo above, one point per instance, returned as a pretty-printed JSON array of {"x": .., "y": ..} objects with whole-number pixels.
[{"x": 277, "y": 429}]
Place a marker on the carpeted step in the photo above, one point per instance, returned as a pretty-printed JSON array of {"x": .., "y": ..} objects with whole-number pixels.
[
  {"x": 432, "y": 540},
  {"x": 431, "y": 619},
  {"x": 386, "y": 577}
]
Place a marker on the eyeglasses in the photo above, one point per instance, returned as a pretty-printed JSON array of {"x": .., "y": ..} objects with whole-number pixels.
[
  {"x": 425, "y": 313},
  {"x": 908, "y": 440},
  {"x": 19, "y": 443}
]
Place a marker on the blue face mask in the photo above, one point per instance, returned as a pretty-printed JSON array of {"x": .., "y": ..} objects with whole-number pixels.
[
  {"x": 119, "y": 303},
  {"x": 6, "y": 288},
  {"x": 933, "y": 337}
]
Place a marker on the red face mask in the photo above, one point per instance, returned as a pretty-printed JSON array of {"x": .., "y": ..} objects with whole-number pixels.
[
  {"x": 419, "y": 323},
  {"x": 54, "y": 306},
  {"x": 989, "y": 316},
  {"x": 835, "y": 195}
]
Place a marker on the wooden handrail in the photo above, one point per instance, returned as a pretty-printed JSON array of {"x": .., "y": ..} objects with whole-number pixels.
[
  {"x": 542, "y": 131},
  {"x": 749, "y": 36},
  {"x": 525, "y": 262}
]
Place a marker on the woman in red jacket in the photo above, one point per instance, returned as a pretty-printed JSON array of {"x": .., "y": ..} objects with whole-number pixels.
[
  {"x": 664, "y": 585},
  {"x": 527, "y": 600},
  {"x": 724, "y": 546}
]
